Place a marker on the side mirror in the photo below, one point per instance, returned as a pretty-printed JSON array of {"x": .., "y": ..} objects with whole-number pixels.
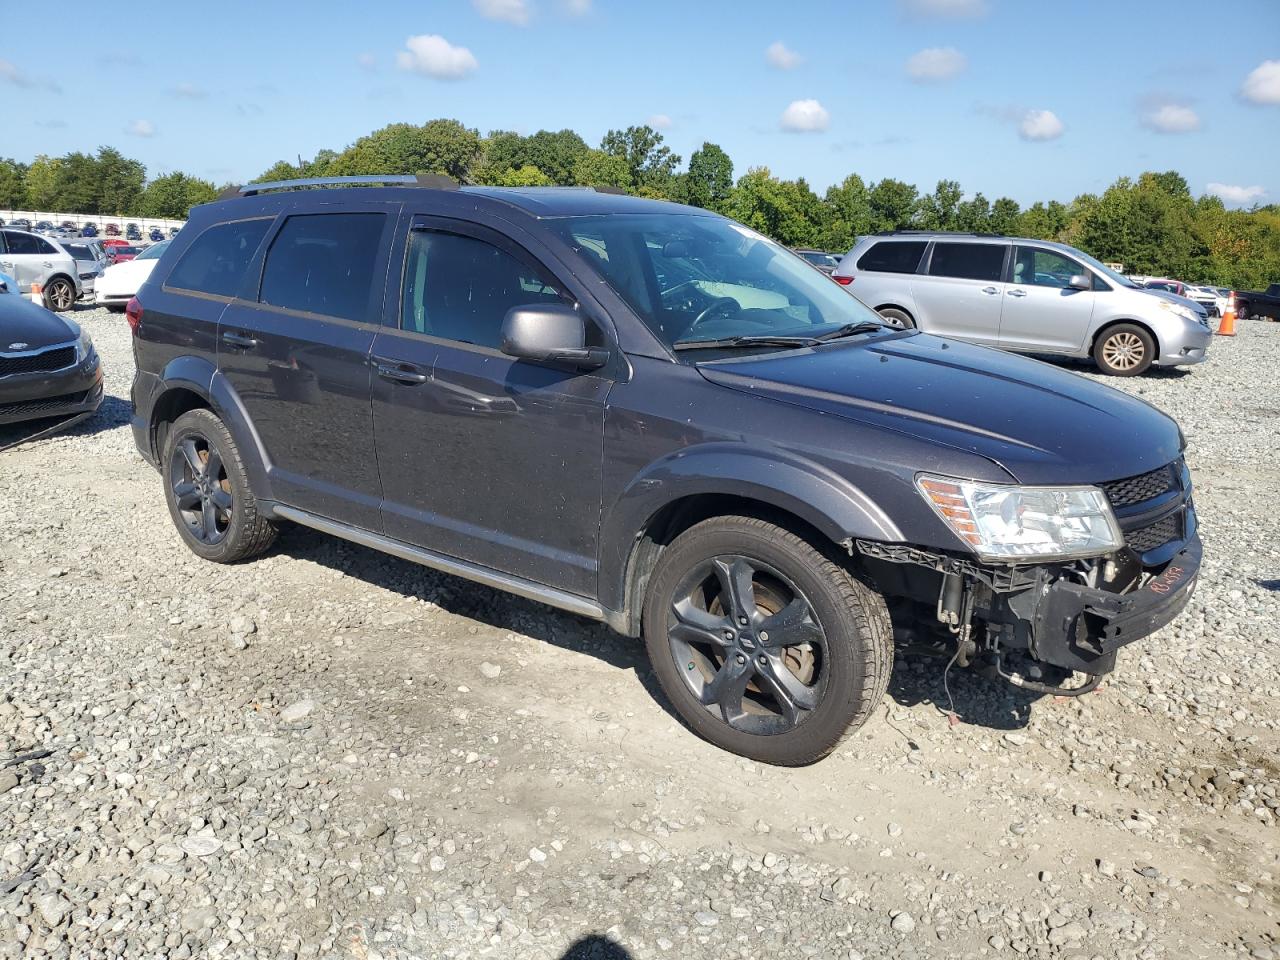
[
  {"x": 550, "y": 333},
  {"x": 1081, "y": 281}
]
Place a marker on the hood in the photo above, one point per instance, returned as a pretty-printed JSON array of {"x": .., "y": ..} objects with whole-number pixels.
[
  {"x": 1042, "y": 424},
  {"x": 22, "y": 321},
  {"x": 1196, "y": 308},
  {"x": 127, "y": 276}
]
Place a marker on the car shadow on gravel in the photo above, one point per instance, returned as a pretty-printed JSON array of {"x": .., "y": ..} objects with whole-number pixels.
[
  {"x": 595, "y": 947},
  {"x": 114, "y": 412},
  {"x": 973, "y": 697},
  {"x": 1079, "y": 365}
]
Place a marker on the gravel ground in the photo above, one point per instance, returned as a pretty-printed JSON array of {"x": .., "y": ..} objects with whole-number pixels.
[{"x": 332, "y": 753}]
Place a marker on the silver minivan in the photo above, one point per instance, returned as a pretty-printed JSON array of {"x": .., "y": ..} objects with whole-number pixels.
[
  {"x": 1029, "y": 296},
  {"x": 31, "y": 258}
]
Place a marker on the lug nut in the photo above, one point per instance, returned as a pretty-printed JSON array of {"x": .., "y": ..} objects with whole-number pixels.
[
  {"x": 741, "y": 659},
  {"x": 762, "y": 659},
  {"x": 764, "y": 636},
  {"x": 742, "y": 621}
]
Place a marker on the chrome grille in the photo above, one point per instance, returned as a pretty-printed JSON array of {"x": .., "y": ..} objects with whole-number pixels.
[{"x": 44, "y": 362}]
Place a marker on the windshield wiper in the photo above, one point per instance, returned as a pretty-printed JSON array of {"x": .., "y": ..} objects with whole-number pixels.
[
  {"x": 745, "y": 341},
  {"x": 849, "y": 329}
]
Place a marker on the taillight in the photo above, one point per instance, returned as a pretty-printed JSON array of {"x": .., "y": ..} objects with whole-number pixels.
[
  {"x": 133, "y": 313},
  {"x": 843, "y": 281}
]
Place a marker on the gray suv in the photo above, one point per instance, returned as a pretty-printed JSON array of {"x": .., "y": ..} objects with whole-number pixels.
[
  {"x": 650, "y": 415},
  {"x": 1029, "y": 296}
]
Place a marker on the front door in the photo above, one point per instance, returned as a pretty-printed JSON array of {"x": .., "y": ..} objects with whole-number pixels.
[
  {"x": 960, "y": 295},
  {"x": 1042, "y": 312},
  {"x": 30, "y": 258},
  {"x": 298, "y": 357},
  {"x": 484, "y": 457}
]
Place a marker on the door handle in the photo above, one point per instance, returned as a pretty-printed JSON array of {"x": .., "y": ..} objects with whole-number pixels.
[
  {"x": 992, "y": 291},
  {"x": 238, "y": 340},
  {"x": 397, "y": 372},
  {"x": 1017, "y": 293}
]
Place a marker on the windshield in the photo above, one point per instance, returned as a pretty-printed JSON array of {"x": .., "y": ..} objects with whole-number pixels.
[
  {"x": 693, "y": 278},
  {"x": 154, "y": 251}
]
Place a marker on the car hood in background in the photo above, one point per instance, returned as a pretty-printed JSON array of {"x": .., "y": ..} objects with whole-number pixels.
[
  {"x": 126, "y": 277},
  {"x": 1042, "y": 424},
  {"x": 22, "y": 321}
]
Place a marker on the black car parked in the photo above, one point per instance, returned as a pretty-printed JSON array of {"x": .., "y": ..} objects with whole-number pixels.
[
  {"x": 48, "y": 366},
  {"x": 648, "y": 414}
]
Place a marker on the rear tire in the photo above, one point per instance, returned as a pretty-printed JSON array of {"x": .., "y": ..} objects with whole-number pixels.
[
  {"x": 1124, "y": 350},
  {"x": 897, "y": 318},
  {"x": 717, "y": 593},
  {"x": 207, "y": 489}
]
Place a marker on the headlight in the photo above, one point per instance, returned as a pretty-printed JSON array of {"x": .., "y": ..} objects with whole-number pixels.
[
  {"x": 84, "y": 345},
  {"x": 1185, "y": 312},
  {"x": 1011, "y": 523}
]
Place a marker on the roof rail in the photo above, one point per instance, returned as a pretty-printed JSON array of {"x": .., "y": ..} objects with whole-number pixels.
[
  {"x": 944, "y": 233},
  {"x": 431, "y": 181}
]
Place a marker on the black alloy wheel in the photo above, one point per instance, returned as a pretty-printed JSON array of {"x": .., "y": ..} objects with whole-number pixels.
[{"x": 201, "y": 488}]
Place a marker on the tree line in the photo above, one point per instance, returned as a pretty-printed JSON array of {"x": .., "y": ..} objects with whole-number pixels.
[{"x": 1151, "y": 224}]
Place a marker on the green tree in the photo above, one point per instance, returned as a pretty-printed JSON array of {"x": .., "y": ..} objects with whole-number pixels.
[
  {"x": 649, "y": 163},
  {"x": 1042, "y": 221},
  {"x": 1004, "y": 217},
  {"x": 440, "y": 147},
  {"x": 710, "y": 177},
  {"x": 848, "y": 214},
  {"x": 786, "y": 210},
  {"x": 120, "y": 181},
  {"x": 173, "y": 195},
  {"x": 42, "y": 182},
  {"x": 78, "y": 184},
  {"x": 938, "y": 210},
  {"x": 526, "y": 176},
  {"x": 555, "y": 153},
  {"x": 892, "y": 204},
  {"x": 595, "y": 168},
  {"x": 974, "y": 215},
  {"x": 13, "y": 187}
]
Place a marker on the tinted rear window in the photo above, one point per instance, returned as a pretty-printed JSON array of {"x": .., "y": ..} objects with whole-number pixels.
[
  {"x": 968, "y": 261},
  {"x": 323, "y": 263},
  {"x": 893, "y": 256},
  {"x": 215, "y": 263}
]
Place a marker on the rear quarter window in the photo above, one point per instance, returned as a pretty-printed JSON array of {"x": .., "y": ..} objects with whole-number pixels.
[
  {"x": 215, "y": 263},
  {"x": 893, "y": 256}
]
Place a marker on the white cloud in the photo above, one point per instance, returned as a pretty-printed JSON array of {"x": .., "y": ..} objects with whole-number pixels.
[
  {"x": 659, "y": 121},
  {"x": 779, "y": 55},
  {"x": 9, "y": 72},
  {"x": 1235, "y": 194},
  {"x": 512, "y": 11},
  {"x": 1262, "y": 85},
  {"x": 805, "y": 116},
  {"x": 189, "y": 91},
  {"x": 1040, "y": 125},
  {"x": 936, "y": 64},
  {"x": 576, "y": 8},
  {"x": 368, "y": 62},
  {"x": 1170, "y": 117},
  {"x": 433, "y": 55},
  {"x": 955, "y": 9},
  {"x": 141, "y": 128}
]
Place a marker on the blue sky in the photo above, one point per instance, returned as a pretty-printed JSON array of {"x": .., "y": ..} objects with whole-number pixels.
[{"x": 1022, "y": 98}]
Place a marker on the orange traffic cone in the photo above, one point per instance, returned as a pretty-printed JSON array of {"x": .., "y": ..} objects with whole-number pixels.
[
  {"x": 1227, "y": 325},
  {"x": 37, "y": 294}
]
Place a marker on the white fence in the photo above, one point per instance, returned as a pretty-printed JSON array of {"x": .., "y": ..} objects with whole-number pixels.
[{"x": 101, "y": 219}]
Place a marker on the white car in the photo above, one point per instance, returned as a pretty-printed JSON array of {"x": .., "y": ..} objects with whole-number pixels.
[
  {"x": 1209, "y": 298},
  {"x": 118, "y": 283}
]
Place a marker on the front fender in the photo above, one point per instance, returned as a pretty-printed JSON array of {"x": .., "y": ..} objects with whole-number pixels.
[{"x": 772, "y": 476}]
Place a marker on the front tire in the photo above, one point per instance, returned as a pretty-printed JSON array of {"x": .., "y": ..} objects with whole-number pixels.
[
  {"x": 207, "y": 490},
  {"x": 1124, "y": 350},
  {"x": 765, "y": 646},
  {"x": 59, "y": 295}
]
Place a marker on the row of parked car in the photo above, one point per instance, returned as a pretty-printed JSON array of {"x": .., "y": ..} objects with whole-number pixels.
[
  {"x": 68, "y": 270},
  {"x": 69, "y": 231}
]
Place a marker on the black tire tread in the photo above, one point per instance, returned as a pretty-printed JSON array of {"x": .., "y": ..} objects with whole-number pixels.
[
  {"x": 856, "y": 594},
  {"x": 250, "y": 533}
]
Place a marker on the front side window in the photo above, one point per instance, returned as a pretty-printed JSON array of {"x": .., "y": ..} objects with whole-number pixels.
[
  {"x": 460, "y": 288},
  {"x": 967, "y": 261},
  {"x": 703, "y": 278},
  {"x": 323, "y": 263},
  {"x": 893, "y": 256},
  {"x": 216, "y": 262},
  {"x": 1044, "y": 268}
]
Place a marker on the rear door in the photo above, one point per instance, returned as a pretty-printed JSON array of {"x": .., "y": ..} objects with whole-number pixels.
[
  {"x": 295, "y": 348},
  {"x": 961, "y": 292},
  {"x": 32, "y": 258},
  {"x": 1041, "y": 311}
]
